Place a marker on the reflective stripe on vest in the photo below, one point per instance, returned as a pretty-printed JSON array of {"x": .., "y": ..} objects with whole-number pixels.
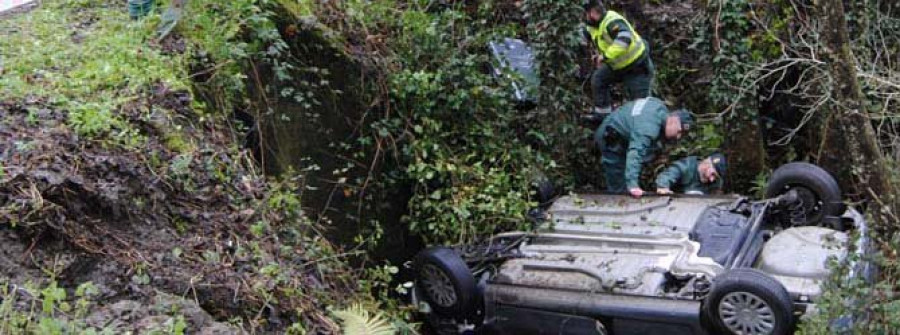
[{"x": 600, "y": 35}]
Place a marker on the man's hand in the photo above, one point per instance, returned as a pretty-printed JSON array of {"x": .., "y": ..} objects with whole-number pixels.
[
  {"x": 636, "y": 192},
  {"x": 663, "y": 191}
]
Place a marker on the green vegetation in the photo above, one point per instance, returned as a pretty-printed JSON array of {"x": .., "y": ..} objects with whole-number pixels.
[
  {"x": 468, "y": 185},
  {"x": 48, "y": 311},
  {"x": 849, "y": 297},
  {"x": 450, "y": 127},
  {"x": 554, "y": 31},
  {"x": 85, "y": 59},
  {"x": 451, "y": 131},
  {"x": 435, "y": 123},
  {"x": 357, "y": 320},
  {"x": 53, "y": 53},
  {"x": 88, "y": 58},
  {"x": 160, "y": 110},
  {"x": 732, "y": 63}
]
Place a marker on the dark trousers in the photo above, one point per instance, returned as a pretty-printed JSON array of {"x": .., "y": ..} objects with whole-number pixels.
[
  {"x": 613, "y": 148},
  {"x": 638, "y": 78}
]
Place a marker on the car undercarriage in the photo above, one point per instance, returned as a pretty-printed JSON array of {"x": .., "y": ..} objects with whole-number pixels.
[{"x": 611, "y": 264}]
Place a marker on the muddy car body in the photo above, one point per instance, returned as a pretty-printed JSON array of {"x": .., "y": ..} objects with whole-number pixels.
[{"x": 611, "y": 264}]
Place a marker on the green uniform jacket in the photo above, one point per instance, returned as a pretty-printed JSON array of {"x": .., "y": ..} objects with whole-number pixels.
[
  {"x": 640, "y": 123},
  {"x": 683, "y": 177}
]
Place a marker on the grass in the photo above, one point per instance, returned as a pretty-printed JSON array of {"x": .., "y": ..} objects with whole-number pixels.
[
  {"x": 75, "y": 58},
  {"x": 299, "y": 8},
  {"x": 88, "y": 58}
]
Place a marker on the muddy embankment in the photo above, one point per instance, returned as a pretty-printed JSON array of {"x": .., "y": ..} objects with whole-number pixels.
[
  {"x": 76, "y": 210},
  {"x": 180, "y": 222}
]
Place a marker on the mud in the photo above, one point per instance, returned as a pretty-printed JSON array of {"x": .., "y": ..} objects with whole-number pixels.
[
  {"x": 172, "y": 44},
  {"x": 152, "y": 220},
  {"x": 140, "y": 317}
]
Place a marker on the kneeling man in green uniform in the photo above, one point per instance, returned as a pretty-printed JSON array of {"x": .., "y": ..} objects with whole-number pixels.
[
  {"x": 693, "y": 176},
  {"x": 631, "y": 136}
]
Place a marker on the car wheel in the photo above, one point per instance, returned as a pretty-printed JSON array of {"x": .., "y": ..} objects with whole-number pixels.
[
  {"x": 748, "y": 302},
  {"x": 819, "y": 193},
  {"x": 445, "y": 282}
]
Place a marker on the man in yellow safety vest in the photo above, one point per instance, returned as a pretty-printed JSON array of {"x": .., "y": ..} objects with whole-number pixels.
[{"x": 623, "y": 56}]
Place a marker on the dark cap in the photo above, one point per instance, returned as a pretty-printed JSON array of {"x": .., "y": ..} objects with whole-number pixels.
[
  {"x": 687, "y": 119},
  {"x": 589, "y": 4},
  {"x": 719, "y": 163}
]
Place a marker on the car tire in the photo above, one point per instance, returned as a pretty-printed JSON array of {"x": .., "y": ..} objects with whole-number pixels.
[
  {"x": 748, "y": 301},
  {"x": 813, "y": 185},
  {"x": 445, "y": 282}
]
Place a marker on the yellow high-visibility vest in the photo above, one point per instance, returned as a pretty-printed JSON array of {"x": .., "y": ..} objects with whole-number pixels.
[{"x": 616, "y": 59}]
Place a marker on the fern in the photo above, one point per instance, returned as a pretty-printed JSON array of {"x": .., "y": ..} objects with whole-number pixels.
[{"x": 358, "y": 321}]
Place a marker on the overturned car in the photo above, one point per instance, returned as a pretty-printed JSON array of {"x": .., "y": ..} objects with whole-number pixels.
[{"x": 611, "y": 264}]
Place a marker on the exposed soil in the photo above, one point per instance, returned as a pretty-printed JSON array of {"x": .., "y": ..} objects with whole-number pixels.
[
  {"x": 149, "y": 221},
  {"x": 172, "y": 44}
]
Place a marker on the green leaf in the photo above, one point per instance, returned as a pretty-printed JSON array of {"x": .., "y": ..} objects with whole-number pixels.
[{"x": 358, "y": 321}]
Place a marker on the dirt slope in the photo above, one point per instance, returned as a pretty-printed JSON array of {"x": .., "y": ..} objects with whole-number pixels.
[{"x": 160, "y": 211}]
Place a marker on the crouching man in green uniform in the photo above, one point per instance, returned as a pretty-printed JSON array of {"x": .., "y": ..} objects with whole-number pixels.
[
  {"x": 693, "y": 176},
  {"x": 631, "y": 136}
]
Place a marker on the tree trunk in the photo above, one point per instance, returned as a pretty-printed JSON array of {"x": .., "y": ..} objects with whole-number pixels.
[
  {"x": 744, "y": 146},
  {"x": 848, "y": 132}
]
